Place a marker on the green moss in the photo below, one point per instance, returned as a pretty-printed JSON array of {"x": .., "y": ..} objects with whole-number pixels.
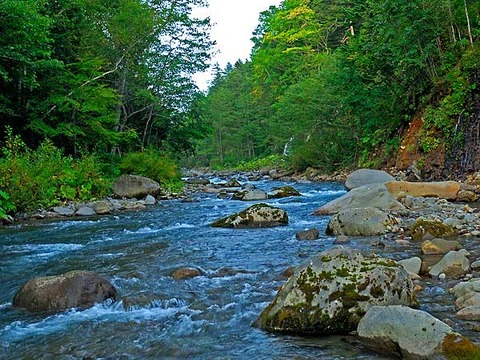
[
  {"x": 456, "y": 347},
  {"x": 436, "y": 228}
]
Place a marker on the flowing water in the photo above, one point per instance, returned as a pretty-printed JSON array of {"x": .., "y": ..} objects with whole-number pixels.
[{"x": 157, "y": 317}]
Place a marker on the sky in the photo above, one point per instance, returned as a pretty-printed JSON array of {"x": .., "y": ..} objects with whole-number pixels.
[{"x": 233, "y": 24}]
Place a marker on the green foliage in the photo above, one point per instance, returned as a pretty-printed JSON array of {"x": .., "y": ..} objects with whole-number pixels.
[
  {"x": 44, "y": 177},
  {"x": 336, "y": 80},
  {"x": 6, "y": 205},
  {"x": 154, "y": 166},
  {"x": 271, "y": 161}
]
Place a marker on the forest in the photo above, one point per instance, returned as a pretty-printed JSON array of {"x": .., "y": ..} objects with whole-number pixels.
[{"x": 90, "y": 89}]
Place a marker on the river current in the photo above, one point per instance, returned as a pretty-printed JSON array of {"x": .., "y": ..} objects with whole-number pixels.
[{"x": 157, "y": 317}]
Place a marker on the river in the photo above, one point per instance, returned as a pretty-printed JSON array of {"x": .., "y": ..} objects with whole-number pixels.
[{"x": 157, "y": 317}]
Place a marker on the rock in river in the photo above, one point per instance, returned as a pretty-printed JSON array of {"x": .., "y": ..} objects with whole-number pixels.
[
  {"x": 373, "y": 195},
  {"x": 259, "y": 215},
  {"x": 361, "y": 222},
  {"x": 331, "y": 292},
  {"x": 406, "y": 333},
  {"x": 282, "y": 192},
  {"x": 75, "y": 289}
]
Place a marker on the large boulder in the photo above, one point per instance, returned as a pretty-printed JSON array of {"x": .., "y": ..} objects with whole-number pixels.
[
  {"x": 331, "y": 292},
  {"x": 363, "y": 177},
  {"x": 75, "y": 289},
  {"x": 361, "y": 222},
  {"x": 442, "y": 189},
  {"x": 134, "y": 186},
  {"x": 402, "y": 332},
  {"x": 374, "y": 195},
  {"x": 259, "y": 215}
]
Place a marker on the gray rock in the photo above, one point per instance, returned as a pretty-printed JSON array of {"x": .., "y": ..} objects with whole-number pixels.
[
  {"x": 75, "y": 289},
  {"x": 133, "y": 186},
  {"x": 85, "y": 211},
  {"x": 310, "y": 234},
  {"x": 412, "y": 265},
  {"x": 360, "y": 222},
  {"x": 101, "y": 207},
  {"x": 330, "y": 293},
  {"x": 374, "y": 195},
  {"x": 363, "y": 177},
  {"x": 64, "y": 211},
  {"x": 400, "y": 331},
  {"x": 454, "y": 265},
  {"x": 250, "y": 195},
  {"x": 150, "y": 200},
  {"x": 260, "y": 215}
]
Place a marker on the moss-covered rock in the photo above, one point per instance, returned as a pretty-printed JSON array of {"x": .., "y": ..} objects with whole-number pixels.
[
  {"x": 361, "y": 222},
  {"x": 282, "y": 192},
  {"x": 259, "y": 215},
  {"x": 430, "y": 229},
  {"x": 331, "y": 292}
]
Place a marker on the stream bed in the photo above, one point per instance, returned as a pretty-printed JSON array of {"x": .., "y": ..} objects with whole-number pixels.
[{"x": 157, "y": 317}]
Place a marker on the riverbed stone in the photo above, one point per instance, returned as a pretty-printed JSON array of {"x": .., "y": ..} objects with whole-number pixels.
[
  {"x": 134, "y": 186},
  {"x": 439, "y": 246},
  {"x": 250, "y": 195},
  {"x": 400, "y": 331},
  {"x": 329, "y": 293},
  {"x": 101, "y": 207},
  {"x": 310, "y": 234},
  {"x": 363, "y": 177},
  {"x": 373, "y": 195},
  {"x": 467, "y": 196},
  {"x": 283, "y": 192},
  {"x": 430, "y": 229},
  {"x": 85, "y": 211},
  {"x": 75, "y": 289},
  {"x": 412, "y": 265},
  {"x": 442, "y": 189},
  {"x": 150, "y": 200},
  {"x": 361, "y": 222},
  {"x": 454, "y": 265},
  {"x": 259, "y": 215},
  {"x": 63, "y": 211}
]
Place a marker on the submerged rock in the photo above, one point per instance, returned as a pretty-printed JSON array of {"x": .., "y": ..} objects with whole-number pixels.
[
  {"x": 331, "y": 292},
  {"x": 406, "y": 333},
  {"x": 75, "y": 289},
  {"x": 361, "y": 222},
  {"x": 310, "y": 234},
  {"x": 260, "y": 215},
  {"x": 185, "y": 273},
  {"x": 363, "y": 177}
]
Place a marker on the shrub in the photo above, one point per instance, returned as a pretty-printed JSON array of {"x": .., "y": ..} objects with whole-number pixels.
[
  {"x": 154, "y": 166},
  {"x": 45, "y": 177}
]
